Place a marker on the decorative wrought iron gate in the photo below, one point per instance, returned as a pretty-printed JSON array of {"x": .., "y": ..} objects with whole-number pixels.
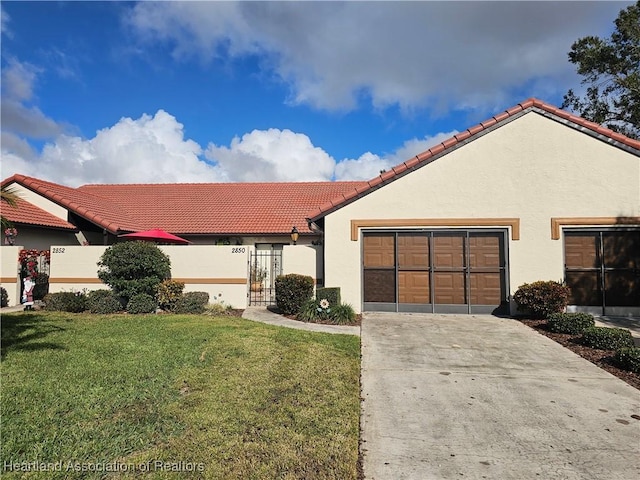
[{"x": 264, "y": 267}]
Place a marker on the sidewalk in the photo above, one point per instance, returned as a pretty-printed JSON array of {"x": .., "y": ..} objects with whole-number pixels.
[{"x": 262, "y": 314}]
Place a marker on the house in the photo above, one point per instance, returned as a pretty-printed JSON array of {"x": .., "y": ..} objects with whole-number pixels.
[
  {"x": 534, "y": 193},
  {"x": 259, "y": 214}
]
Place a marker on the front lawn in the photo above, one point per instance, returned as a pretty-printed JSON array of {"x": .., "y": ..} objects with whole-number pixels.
[{"x": 218, "y": 397}]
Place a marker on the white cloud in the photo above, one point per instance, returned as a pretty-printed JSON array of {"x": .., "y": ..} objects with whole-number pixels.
[
  {"x": 149, "y": 149},
  {"x": 370, "y": 165},
  {"x": 272, "y": 155},
  {"x": 468, "y": 55},
  {"x": 153, "y": 149}
]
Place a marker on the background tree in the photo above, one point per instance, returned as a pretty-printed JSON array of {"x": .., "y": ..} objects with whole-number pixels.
[
  {"x": 133, "y": 268},
  {"x": 611, "y": 69}
]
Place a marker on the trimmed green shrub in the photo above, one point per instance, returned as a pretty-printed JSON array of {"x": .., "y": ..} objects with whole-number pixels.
[
  {"x": 606, "y": 338},
  {"x": 169, "y": 292},
  {"x": 141, "y": 303},
  {"x": 542, "y": 298},
  {"x": 330, "y": 293},
  {"x": 4, "y": 297},
  {"x": 628, "y": 358},
  {"x": 343, "y": 314},
  {"x": 130, "y": 268},
  {"x": 573, "y": 323},
  {"x": 103, "y": 302},
  {"x": 192, "y": 302},
  {"x": 74, "y": 302},
  {"x": 41, "y": 287},
  {"x": 292, "y": 292}
]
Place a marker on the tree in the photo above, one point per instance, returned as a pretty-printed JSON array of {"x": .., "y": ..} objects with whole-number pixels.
[
  {"x": 10, "y": 198},
  {"x": 132, "y": 268},
  {"x": 611, "y": 67}
]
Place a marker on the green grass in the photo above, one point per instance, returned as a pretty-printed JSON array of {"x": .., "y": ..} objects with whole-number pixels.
[{"x": 227, "y": 397}]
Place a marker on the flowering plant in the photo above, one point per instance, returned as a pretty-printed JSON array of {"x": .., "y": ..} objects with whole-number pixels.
[
  {"x": 32, "y": 260},
  {"x": 10, "y": 235},
  {"x": 323, "y": 308}
]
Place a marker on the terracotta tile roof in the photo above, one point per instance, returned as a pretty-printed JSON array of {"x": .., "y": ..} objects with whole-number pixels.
[
  {"x": 435, "y": 152},
  {"x": 28, "y": 214},
  {"x": 197, "y": 208},
  {"x": 220, "y": 208},
  {"x": 84, "y": 204}
]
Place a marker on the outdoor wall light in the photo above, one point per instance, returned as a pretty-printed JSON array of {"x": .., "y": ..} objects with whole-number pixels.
[{"x": 294, "y": 235}]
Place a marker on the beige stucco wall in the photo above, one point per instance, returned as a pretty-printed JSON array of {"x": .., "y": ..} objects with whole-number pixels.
[
  {"x": 39, "y": 201},
  {"x": 303, "y": 260},
  {"x": 217, "y": 270},
  {"x": 9, "y": 272},
  {"x": 532, "y": 168}
]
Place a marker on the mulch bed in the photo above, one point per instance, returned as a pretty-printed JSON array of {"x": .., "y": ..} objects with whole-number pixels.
[{"x": 601, "y": 358}]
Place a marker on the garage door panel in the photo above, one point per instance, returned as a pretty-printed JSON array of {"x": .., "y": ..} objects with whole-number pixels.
[
  {"x": 449, "y": 288},
  {"x": 621, "y": 249},
  {"x": 585, "y": 288},
  {"x": 413, "y": 251},
  {"x": 379, "y": 286},
  {"x": 379, "y": 251},
  {"x": 581, "y": 251},
  {"x": 622, "y": 289},
  {"x": 486, "y": 288},
  {"x": 485, "y": 251},
  {"x": 413, "y": 287},
  {"x": 448, "y": 251}
]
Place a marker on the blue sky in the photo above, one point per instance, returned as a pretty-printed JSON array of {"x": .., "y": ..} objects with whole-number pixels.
[{"x": 127, "y": 92}]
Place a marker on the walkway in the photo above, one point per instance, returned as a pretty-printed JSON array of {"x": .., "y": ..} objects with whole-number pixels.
[{"x": 261, "y": 314}]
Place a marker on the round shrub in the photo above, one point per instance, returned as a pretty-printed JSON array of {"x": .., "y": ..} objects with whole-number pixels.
[
  {"x": 169, "y": 292},
  {"x": 141, "y": 303},
  {"x": 606, "y": 338},
  {"x": 130, "y": 268},
  {"x": 573, "y": 323},
  {"x": 292, "y": 292},
  {"x": 192, "y": 302},
  {"x": 103, "y": 302},
  {"x": 4, "y": 297},
  {"x": 542, "y": 298},
  {"x": 73, "y": 302},
  {"x": 628, "y": 358}
]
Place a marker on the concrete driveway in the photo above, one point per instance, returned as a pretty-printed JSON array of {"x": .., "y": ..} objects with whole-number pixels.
[{"x": 453, "y": 396}]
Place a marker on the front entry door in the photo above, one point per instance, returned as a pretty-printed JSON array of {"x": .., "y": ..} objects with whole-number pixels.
[{"x": 462, "y": 271}]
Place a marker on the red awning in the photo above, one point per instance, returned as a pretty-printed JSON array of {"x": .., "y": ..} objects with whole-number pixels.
[{"x": 155, "y": 235}]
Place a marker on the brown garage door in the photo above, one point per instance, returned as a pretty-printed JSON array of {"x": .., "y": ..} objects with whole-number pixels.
[
  {"x": 603, "y": 269},
  {"x": 435, "y": 271}
]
